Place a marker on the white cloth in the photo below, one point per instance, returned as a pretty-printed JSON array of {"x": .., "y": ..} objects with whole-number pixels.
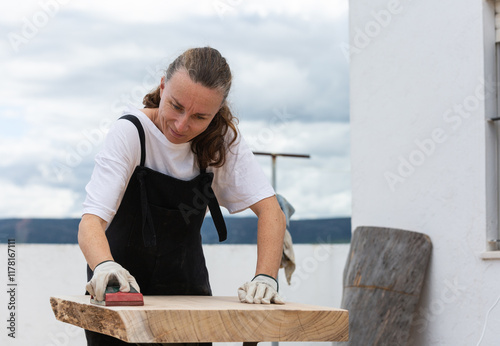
[
  {"x": 237, "y": 185},
  {"x": 288, "y": 257}
]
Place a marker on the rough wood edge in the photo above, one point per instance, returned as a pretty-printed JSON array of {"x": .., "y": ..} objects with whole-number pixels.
[
  {"x": 116, "y": 327},
  {"x": 78, "y": 317},
  {"x": 423, "y": 235}
]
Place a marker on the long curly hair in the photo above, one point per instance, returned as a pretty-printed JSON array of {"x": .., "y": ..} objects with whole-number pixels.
[{"x": 209, "y": 68}]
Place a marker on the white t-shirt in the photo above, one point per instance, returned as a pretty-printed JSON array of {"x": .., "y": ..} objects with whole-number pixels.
[{"x": 238, "y": 184}]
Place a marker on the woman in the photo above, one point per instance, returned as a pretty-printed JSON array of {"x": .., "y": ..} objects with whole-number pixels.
[{"x": 159, "y": 170}]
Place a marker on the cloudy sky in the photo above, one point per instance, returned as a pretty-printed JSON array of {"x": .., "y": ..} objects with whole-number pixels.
[{"x": 68, "y": 68}]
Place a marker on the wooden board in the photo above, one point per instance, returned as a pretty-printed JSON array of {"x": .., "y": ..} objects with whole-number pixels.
[
  {"x": 204, "y": 319},
  {"x": 383, "y": 278}
]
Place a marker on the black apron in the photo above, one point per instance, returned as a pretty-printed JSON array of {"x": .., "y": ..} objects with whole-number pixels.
[{"x": 155, "y": 233}]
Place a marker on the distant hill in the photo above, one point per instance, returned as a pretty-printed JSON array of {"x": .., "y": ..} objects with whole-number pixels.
[{"x": 240, "y": 231}]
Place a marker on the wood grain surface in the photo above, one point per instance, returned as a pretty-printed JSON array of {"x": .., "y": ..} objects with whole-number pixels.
[{"x": 204, "y": 319}]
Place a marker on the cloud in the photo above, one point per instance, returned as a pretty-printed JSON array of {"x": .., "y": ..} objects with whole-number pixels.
[
  {"x": 34, "y": 200},
  {"x": 67, "y": 84},
  {"x": 284, "y": 133},
  {"x": 318, "y": 186}
]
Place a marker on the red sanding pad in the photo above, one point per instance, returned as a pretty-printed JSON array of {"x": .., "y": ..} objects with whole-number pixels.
[
  {"x": 123, "y": 299},
  {"x": 113, "y": 297}
]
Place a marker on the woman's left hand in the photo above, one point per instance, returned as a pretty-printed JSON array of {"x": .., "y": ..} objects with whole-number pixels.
[{"x": 263, "y": 289}]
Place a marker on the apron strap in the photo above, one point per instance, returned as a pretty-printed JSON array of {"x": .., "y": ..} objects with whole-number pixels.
[
  {"x": 216, "y": 213},
  {"x": 220, "y": 225},
  {"x": 148, "y": 231},
  {"x": 142, "y": 137}
]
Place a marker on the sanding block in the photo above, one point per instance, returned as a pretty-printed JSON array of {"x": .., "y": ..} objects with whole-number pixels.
[{"x": 113, "y": 297}]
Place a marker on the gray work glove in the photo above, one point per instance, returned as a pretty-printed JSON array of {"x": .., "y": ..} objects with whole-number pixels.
[
  {"x": 263, "y": 289},
  {"x": 110, "y": 273}
]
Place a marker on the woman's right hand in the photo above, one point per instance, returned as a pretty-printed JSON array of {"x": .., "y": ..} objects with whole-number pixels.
[{"x": 110, "y": 273}]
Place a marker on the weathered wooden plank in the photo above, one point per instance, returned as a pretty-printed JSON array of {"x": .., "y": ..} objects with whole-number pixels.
[
  {"x": 383, "y": 278},
  {"x": 165, "y": 319}
]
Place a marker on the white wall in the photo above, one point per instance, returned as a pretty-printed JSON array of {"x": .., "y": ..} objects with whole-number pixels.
[
  {"x": 419, "y": 147},
  {"x": 43, "y": 271}
]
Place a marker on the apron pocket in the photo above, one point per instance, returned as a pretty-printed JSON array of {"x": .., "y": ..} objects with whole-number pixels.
[{"x": 173, "y": 227}]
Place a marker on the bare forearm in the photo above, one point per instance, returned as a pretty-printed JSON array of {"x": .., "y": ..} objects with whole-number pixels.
[
  {"x": 271, "y": 229},
  {"x": 92, "y": 240}
]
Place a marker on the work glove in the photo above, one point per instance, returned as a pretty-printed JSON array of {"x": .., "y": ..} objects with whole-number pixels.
[
  {"x": 110, "y": 273},
  {"x": 263, "y": 289}
]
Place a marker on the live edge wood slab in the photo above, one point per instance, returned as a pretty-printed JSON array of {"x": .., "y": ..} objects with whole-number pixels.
[{"x": 176, "y": 319}]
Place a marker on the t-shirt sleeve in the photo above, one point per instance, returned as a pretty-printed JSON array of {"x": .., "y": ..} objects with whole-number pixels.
[
  {"x": 241, "y": 182},
  {"x": 114, "y": 165}
]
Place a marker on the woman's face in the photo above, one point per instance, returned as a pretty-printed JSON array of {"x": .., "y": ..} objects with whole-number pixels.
[{"x": 186, "y": 108}]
